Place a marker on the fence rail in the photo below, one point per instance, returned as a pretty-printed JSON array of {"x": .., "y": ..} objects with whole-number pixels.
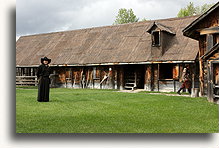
[{"x": 26, "y": 80}]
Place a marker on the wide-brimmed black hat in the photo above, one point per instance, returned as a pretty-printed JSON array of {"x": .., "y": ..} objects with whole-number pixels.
[{"x": 45, "y": 59}]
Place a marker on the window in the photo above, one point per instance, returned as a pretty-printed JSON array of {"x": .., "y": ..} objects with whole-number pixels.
[
  {"x": 156, "y": 38},
  {"x": 166, "y": 71}
]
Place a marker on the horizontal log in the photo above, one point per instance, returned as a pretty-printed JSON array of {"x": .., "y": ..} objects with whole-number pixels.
[
  {"x": 25, "y": 83},
  {"x": 211, "y": 30},
  {"x": 26, "y": 76},
  {"x": 26, "y": 80}
]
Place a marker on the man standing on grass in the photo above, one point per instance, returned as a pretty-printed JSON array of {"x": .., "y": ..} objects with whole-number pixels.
[
  {"x": 43, "y": 80},
  {"x": 186, "y": 80}
]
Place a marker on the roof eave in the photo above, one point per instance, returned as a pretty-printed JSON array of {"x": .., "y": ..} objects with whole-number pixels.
[{"x": 111, "y": 64}]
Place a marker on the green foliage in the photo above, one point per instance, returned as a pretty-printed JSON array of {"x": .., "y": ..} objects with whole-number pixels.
[
  {"x": 191, "y": 10},
  {"x": 125, "y": 16},
  {"x": 203, "y": 9},
  {"x": 108, "y": 111}
]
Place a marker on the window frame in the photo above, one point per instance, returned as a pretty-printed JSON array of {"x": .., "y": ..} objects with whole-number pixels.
[{"x": 154, "y": 37}]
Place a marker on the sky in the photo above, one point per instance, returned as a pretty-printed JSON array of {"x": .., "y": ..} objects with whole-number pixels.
[{"x": 44, "y": 16}]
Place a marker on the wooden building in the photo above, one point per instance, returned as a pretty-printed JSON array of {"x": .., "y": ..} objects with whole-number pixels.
[
  {"x": 146, "y": 55},
  {"x": 205, "y": 29}
]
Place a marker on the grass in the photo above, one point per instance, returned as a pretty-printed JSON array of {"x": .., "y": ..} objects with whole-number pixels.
[{"x": 108, "y": 111}]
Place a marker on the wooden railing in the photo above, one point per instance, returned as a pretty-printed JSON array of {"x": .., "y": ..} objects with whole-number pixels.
[
  {"x": 26, "y": 80},
  {"x": 166, "y": 80}
]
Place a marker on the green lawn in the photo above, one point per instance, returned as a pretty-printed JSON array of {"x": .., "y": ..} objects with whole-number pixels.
[{"x": 108, "y": 111}]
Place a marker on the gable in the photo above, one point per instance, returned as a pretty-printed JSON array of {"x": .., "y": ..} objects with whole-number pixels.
[{"x": 158, "y": 26}]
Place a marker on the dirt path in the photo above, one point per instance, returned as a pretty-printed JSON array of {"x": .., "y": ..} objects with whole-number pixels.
[{"x": 139, "y": 90}]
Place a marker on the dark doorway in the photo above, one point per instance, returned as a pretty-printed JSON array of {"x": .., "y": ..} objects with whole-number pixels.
[{"x": 134, "y": 76}]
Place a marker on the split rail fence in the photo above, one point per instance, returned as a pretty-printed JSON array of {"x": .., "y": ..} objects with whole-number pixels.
[{"x": 26, "y": 80}]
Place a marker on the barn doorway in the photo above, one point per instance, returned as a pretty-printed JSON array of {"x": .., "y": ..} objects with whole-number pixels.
[{"x": 134, "y": 76}]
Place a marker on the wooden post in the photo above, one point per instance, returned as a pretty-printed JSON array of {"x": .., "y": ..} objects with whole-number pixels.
[
  {"x": 147, "y": 82},
  {"x": 118, "y": 77},
  {"x": 101, "y": 77},
  {"x": 201, "y": 78},
  {"x": 135, "y": 79},
  {"x": 65, "y": 79},
  {"x": 121, "y": 78},
  {"x": 111, "y": 78},
  {"x": 115, "y": 79},
  {"x": 158, "y": 76},
  {"x": 210, "y": 92},
  {"x": 209, "y": 41},
  {"x": 152, "y": 77},
  {"x": 72, "y": 77}
]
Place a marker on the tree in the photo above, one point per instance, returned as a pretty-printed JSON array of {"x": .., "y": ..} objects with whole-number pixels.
[
  {"x": 125, "y": 16},
  {"x": 202, "y": 9},
  {"x": 191, "y": 10}
]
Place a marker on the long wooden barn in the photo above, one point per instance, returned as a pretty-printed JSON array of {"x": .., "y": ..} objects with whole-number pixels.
[
  {"x": 146, "y": 55},
  {"x": 205, "y": 29}
]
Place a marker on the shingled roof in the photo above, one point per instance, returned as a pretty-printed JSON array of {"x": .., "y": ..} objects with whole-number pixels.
[{"x": 126, "y": 43}]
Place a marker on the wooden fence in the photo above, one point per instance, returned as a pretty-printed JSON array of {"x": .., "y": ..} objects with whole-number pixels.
[{"x": 26, "y": 80}]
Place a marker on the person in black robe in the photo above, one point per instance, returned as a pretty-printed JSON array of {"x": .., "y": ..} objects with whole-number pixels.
[{"x": 43, "y": 80}]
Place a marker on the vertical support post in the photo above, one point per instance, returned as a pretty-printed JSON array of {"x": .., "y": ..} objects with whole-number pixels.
[
  {"x": 210, "y": 41},
  {"x": 35, "y": 81},
  {"x": 115, "y": 78},
  {"x": 101, "y": 77},
  {"x": 118, "y": 77},
  {"x": 121, "y": 78},
  {"x": 111, "y": 78},
  {"x": 152, "y": 77},
  {"x": 22, "y": 71},
  {"x": 72, "y": 77},
  {"x": 193, "y": 75},
  {"x": 210, "y": 89},
  {"x": 135, "y": 79},
  {"x": 146, "y": 78},
  {"x": 158, "y": 76},
  {"x": 201, "y": 78},
  {"x": 65, "y": 79},
  {"x": 54, "y": 78}
]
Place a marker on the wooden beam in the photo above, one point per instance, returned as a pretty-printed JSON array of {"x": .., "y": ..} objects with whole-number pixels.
[
  {"x": 210, "y": 42},
  {"x": 210, "y": 91},
  {"x": 201, "y": 77},
  {"x": 158, "y": 76},
  {"x": 121, "y": 81},
  {"x": 211, "y": 30}
]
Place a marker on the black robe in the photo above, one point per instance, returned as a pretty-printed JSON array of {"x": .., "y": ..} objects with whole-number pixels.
[{"x": 44, "y": 81}]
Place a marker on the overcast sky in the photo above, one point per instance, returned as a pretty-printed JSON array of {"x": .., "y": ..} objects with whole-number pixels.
[{"x": 43, "y": 16}]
